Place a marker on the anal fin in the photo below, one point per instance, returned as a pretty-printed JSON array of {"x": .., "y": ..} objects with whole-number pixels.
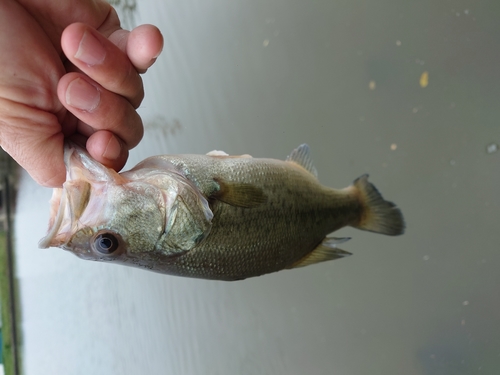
[{"x": 326, "y": 250}]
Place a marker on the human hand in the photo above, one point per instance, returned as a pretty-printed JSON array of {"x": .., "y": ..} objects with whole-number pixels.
[{"x": 65, "y": 80}]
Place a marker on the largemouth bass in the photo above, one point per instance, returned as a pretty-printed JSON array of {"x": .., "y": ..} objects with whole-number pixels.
[{"x": 210, "y": 216}]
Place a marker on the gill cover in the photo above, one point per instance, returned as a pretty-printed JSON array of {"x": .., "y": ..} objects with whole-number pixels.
[{"x": 188, "y": 214}]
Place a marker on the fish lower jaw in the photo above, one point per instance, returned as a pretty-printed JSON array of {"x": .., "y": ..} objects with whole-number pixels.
[{"x": 58, "y": 204}]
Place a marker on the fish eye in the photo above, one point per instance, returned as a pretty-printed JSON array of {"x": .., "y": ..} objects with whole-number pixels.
[{"x": 105, "y": 243}]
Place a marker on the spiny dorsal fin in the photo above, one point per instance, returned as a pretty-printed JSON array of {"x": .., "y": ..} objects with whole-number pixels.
[
  {"x": 240, "y": 195},
  {"x": 302, "y": 156},
  {"x": 326, "y": 250}
]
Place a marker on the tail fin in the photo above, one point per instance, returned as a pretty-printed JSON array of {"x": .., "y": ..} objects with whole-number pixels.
[{"x": 378, "y": 215}]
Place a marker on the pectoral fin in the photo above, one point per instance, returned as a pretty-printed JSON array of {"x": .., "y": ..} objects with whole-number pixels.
[
  {"x": 327, "y": 250},
  {"x": 240, "y": 195}
]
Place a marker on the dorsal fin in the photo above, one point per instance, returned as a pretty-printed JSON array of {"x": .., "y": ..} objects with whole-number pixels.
[{"x": 302, "y": 156}]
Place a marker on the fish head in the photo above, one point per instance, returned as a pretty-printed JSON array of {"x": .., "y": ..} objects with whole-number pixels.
[{"x": 98, "y": 214}]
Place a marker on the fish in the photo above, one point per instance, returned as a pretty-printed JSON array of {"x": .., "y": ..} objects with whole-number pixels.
[{"x": 212, "y": 216}]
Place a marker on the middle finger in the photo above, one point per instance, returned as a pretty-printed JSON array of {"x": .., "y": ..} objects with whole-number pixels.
[{"x": 100, "y": 109}]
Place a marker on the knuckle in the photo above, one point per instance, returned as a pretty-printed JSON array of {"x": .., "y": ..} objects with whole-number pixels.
[{"x": 127, "y": 83}]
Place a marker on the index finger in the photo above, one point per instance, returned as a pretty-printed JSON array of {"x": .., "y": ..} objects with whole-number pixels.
[
  {"x": 102, "y": 61},
  {"x": 142, "y": 45}
]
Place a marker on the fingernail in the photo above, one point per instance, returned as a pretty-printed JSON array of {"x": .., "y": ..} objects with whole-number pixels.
[
  {"x": 159, "y": 53},
  {"x": 90, "y": 51},
  {"x": 113, "y": 149},
  {"x": 82, "y": 95}
]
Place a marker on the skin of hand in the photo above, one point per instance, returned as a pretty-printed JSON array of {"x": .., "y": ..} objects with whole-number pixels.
[{"x": 68, "y": 71}]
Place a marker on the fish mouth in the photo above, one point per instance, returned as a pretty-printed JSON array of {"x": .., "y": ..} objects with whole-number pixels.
[
  {"x": 68, "y": 205},
  {"x": 58, "y": 205},
  {"x": 69, "y": 202}
]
